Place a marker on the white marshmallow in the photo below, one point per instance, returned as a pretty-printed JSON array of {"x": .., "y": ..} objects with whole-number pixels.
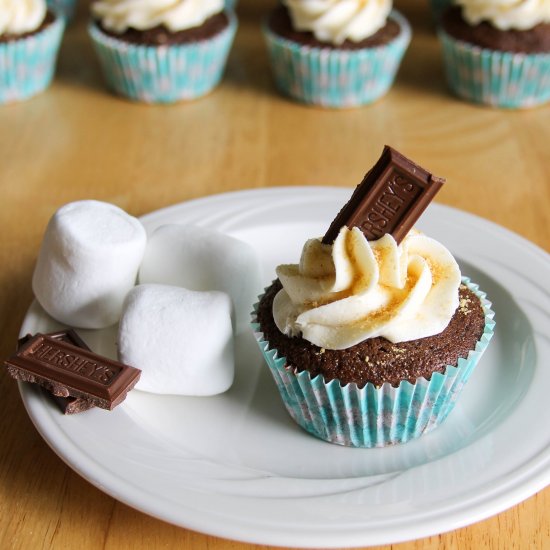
[
  {"x": 202, "y": 259},
  {"x": 88, "y": 262},
  {"x": 182, "y": 340}
]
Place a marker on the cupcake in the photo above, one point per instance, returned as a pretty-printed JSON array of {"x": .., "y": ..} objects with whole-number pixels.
[
  {"x": 162, "y": 54},
  {"x": 497, "y": 52},
  {"x": 64, "y": 8},
  {"x": 335, "y": 53},
  {"x": 30, "y": 37},
  {"x": 370, "y": 342}
]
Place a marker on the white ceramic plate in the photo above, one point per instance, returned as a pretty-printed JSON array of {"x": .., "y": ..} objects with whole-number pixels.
[{"x": 237, "y": 466}]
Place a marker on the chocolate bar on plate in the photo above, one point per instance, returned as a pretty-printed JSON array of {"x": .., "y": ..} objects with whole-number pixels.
[
  {"x": 67, "y": 405},
  {"x": 67, "y": 370}
]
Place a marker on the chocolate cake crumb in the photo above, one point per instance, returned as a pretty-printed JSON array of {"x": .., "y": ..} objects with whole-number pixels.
[
  {"x": 280, "y": 23},
  {"x": 484, "y": 35},
  {"x": 161, "y": 36},
  {"x": 377, "y": 360}
]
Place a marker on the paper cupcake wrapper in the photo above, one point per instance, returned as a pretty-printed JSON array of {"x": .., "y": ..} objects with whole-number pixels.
[
  {"x": 27, "y": 65},
  {"x": 163, "y": 74},
  {"x": 230, "y": 4},
  {"x": 330, "y": 77},
  {"x": 499, "y": 79},
  {"x": 373, "y": 416},
  {"x": 65, "y": 8}
]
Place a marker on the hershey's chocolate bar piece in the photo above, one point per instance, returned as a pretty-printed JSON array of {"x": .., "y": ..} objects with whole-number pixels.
[
  {"x": 72, "y": 405},
  {"x": 390, "y": 199},
  {"x": 67, "y": 405},
  {"x": 68, "y": 335},
  {"x": 67, "y": 370}
]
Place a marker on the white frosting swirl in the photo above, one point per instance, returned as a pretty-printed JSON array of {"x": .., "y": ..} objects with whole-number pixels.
[
  {"x": 506, "y": 14},
  {"x": 342, "y": 294},
  {"x": 334, "y": 21},
  {"x": 175, "y": 15},
  {"x": 21, "y": 16}
]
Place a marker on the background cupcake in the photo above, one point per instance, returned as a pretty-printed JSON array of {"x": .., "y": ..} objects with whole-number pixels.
[
  {"x": 162, "y": 54},
  {"x": 30, "y": 37},
  {"x": 498, "y": 53},
  {"x": 336, "y": 53}
]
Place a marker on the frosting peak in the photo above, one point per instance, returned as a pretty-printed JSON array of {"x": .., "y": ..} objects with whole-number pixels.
[
  {"x": 175, "y": 15},
  {"x": 21, "y": 16},
  {"x": 342, "y": 294},
  {"x": 334, "y": 21},
  {"x": 506, "y": 14}
]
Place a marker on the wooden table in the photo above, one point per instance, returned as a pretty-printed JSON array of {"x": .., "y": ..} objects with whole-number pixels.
[{"x": 77, "y": 141}]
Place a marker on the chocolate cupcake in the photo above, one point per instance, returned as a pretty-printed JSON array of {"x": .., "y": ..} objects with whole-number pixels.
[
  {"x": 30, "y": 37},
  {"x": 319, "y": 57},
  {"x": 162, "y": 55},
  {"x": 498, "y": 54},
  {"x": 369, "y": 341}
]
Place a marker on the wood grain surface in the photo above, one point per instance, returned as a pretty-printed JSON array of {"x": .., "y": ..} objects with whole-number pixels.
[{"x": 77, "y": 141}]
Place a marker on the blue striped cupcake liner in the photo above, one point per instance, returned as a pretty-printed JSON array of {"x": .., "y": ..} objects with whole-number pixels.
[
  {"x": 163, "y": 74},
  {"x": 331, "y": 77},
  {"x": 373, "y": 416},
  {"x": 495, "y": 78},
  {"x": 27, "y": 65},
  {"x": 65, "y": 8},
  {"x": 230, "y": 4}
]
